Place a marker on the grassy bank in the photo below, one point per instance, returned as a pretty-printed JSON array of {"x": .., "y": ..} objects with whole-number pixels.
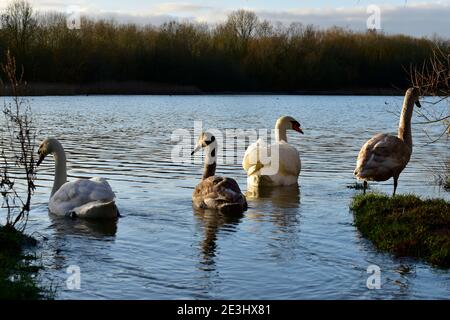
[
  {"x": 16, "y": 269},
  {"x": 406, "y": 225}
]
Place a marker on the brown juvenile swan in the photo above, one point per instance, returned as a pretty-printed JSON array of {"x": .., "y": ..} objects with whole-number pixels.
[
  {"x": 214, "y": 192},
  {"x": 385, "y": 156}
]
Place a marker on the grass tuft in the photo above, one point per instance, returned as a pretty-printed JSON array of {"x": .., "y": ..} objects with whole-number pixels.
[
  {"x": 405, "y": 225},
  {"x": 17, "y": 274}
]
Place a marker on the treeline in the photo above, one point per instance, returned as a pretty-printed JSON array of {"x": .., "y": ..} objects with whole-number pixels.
[{"x": 243, "y": 53}]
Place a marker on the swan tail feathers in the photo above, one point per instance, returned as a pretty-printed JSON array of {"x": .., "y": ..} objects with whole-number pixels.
[
  {"x": 96, "y": 210},
  {"x": 233, "y": 208}
]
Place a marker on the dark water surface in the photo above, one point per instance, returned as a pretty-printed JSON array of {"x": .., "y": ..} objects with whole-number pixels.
[{"x": 290, "y": 244}]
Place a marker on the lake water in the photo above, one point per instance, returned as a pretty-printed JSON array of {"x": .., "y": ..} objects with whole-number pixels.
[{"x": 294, "y": 244}]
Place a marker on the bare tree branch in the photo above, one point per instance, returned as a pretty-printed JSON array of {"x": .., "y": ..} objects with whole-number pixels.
[
  {"x": 433, "y": 79},
  {"x": 17, "y": 148}
]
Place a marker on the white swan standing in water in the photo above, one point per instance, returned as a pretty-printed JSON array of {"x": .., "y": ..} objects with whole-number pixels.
[
  {"x": 83, "y": 198},
  {"x": 288, "y": 166},
  {"x": 385, "y": 156},
  {"x": 215, "y": 192}
]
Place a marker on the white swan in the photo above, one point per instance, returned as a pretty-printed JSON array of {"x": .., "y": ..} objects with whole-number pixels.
[
  {"x": 275, "y": 165},
  {"x": 385, "y": 156},
  {"x": 84, "y": 198}
]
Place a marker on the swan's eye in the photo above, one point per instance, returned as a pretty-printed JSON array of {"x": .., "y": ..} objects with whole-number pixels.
[
  {"x": 208, "y": 142},
  {"x": 295, "y": 124}
]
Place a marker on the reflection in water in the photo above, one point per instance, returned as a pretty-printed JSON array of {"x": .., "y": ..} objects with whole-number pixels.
[
  {"x": 77, "y": 236},
  {"x": 212, "y": 222},
  {"x": 283, "y": 197},
  {"x": 279, "y": 205},
  {"x": 82, "y": 227}
]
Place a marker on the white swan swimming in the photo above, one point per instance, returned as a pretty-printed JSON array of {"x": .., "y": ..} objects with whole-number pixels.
[
  {"x": 385, "y": 156},
  {"x": 274, "y": 171},
  {"x": 83, "y": 198},
  {"x": 215, "y": 192}
]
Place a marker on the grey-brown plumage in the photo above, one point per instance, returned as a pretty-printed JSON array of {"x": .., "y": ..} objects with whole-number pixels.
[
  {"x": 385, "y": 156},
  {"x": 215, "y": 192},
  {"x": 220, "y": 193}
]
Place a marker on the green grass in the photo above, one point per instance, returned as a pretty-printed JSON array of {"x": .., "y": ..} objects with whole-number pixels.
[
  {"x": 405, "y": 225},
  {"x": 17, "y": 272}
]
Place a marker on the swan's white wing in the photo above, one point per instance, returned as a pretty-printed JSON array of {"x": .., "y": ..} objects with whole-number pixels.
[
  {"x": 287, "y": 162},
  {"x": 250, "y": 156},
  {"x": 80, "y": 192},
  {"x": 256, "y": 157}
]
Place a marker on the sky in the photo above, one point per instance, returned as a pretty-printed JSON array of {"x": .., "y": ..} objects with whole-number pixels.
[{"x": 417, "y": 18}]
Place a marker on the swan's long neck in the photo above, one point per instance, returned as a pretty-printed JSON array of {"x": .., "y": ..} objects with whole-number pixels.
[
  {"x": 210, "y": 160},
  {"x": 60, "y": 168},
  {"x": 404, "y": 126},
  {"x": 280, "y": 132}
]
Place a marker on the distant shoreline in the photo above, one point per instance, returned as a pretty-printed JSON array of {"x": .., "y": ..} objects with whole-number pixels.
[{"x": 144, "y": 88}]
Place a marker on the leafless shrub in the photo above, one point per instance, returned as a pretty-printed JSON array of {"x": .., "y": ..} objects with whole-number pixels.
[
  {"x": 17, "y": 145},
  {"x": 441, "y": 175},
  {"x": 433, "y": 79}
]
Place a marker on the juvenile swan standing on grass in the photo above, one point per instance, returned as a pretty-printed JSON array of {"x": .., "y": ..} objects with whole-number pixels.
[
  {"x": 214, "y": 192},
  {"x": 289, "y": 165},
  {"x": 385, "y": 156},
  {"x": 84, "y": 198}
]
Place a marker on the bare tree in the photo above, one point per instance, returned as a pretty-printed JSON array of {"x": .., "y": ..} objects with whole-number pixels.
[
  {"x": 433, "y": 79},
  {"x": 17, "y": 149},
  {"x": 243, "y": 23},
  {"x": 18, "y": 22},
  {"x": 265, "y": 29}
]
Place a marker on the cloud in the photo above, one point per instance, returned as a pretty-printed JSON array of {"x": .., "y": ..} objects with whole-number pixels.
[
  {"x": 139, "y": 19},
  {"x": 417, "y": 19},
  {"x": 422, "y": 19},
  {"x": 177, "y": 7}
]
